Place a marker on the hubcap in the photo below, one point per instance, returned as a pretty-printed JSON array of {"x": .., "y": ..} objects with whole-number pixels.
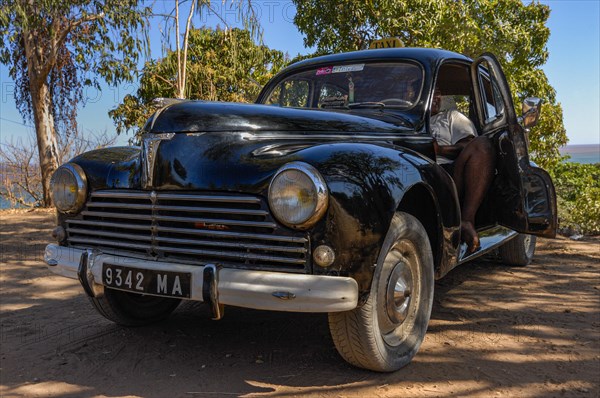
[
  {"x": 527, "y": 242},
  {"x": 399, "y": 293},
  {"x": 529, "y": 245}
]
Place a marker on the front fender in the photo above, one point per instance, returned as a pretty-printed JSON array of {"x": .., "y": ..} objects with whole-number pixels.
[
  {"x": 367, "y": 184},
  {"x": 111, "y": 168}
]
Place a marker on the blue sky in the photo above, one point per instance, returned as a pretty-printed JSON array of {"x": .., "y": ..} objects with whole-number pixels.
[{"x": 572, "y": 68}]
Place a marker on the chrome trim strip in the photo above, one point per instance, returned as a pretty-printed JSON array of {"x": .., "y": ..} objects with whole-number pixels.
[
  {"x": 129, "y": 216},
  {"x": 150, "y": 144},
  {"x": 330, "y": 137},
  {"x": 207, "y": 198},
  {"x": 260, "y": 224},
  {"x": 109, "y": 224},
  {"x": 248, "y": 212},
  {"x": 110, "y": 243},
  {"x": 241, "y": 256},
  {"x": 110, "y": 234},
  {"x": 490, "y": 239},
  {"x": 238, "y": 245},
  {"x": 173, "y": 196},
  {"x": 116, "y": 205},
  {"x": 239, "y": 235},
  {"x": 149, "y": 217},
  {"x": 120, "y": 194}
]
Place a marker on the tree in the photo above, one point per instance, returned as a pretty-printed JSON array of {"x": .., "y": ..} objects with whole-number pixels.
[
  {"x": 20, "y": 174},
  {"x": 515, "y": 32},
  {"x": 54, "y": 49},
  {"x": 578, "y": 194},
  {"x": 245, "y": 11},
  {"x": 219, "y": 69}
]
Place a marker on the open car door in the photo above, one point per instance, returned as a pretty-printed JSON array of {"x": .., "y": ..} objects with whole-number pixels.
[{"x": 522, "y": 193}]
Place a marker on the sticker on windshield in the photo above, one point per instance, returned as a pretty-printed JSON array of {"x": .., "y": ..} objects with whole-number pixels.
[
  {"x": 326, "y": 70},
  {"x": 348, "y": 68}
]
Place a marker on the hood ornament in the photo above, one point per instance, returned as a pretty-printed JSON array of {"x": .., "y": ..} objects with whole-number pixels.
[{"x": 150, "y": 144}]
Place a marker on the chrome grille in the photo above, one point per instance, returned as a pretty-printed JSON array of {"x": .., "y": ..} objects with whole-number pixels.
[{"x": 235, "y": 231}]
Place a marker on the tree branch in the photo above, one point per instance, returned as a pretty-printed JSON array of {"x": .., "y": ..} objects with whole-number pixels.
[
  {"x": 185, "y": 50},
  {"x": 177, "y": 44},
  {"x": 61, "y": 35},
  {"x": 170, "y": 83}
]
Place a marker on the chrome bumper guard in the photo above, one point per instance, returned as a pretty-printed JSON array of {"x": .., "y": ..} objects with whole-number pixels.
[{"x": 275, "y": 291}]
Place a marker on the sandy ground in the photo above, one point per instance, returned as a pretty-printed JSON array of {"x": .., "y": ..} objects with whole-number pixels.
[{"x": 495, "y": 331}]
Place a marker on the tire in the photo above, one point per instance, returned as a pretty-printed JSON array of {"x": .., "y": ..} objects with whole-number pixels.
[
  {"x": 518, "y": 251},
  {"x": 130, "y": 309},
  {"x": 386, "y": 332}
]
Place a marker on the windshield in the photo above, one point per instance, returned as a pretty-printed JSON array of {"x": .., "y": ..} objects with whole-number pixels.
[{"x": 349, "y": 86}]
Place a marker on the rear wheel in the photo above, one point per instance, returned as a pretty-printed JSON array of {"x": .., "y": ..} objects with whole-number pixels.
[
  {"x": 519, "y": 250},
  {"x": 130, "y": 309},
  {"x": 387, "y": 331}
]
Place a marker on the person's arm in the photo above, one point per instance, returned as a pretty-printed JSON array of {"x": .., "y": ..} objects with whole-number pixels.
[{"x": 451, "y": 151}]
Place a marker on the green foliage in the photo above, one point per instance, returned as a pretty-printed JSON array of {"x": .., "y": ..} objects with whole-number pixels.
[
  {"x": 222, "y": 66},
  {"x": 578, "y": 191},
  {"x": 547, "y": 137},
  {"x": 515, "y": 32},
  {"x": 74, "y": 43}
]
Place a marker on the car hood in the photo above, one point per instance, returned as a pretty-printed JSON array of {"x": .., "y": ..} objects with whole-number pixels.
[
  {"x": 200, "y": 116},
  {"x": 224, "y": 147}
]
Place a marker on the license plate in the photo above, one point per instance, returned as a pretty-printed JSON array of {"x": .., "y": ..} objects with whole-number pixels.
[{"x": 145, "y": 281}]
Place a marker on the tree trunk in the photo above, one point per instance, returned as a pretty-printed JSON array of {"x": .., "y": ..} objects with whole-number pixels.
[
  {"x": 41, "y": 104},
  {"x": 46, "y": 137}
]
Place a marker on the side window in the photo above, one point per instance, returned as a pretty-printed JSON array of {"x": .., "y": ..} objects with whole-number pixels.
[
  {"x": 492, "y": 99},
  {"x": 454, "y": 82},
  {"x": 292, "y": 93}
]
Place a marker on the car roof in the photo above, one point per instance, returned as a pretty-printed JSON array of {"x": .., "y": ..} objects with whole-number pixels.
[{"x": 425, "y": 56}]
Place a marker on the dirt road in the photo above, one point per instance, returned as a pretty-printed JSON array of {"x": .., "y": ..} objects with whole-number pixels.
[{"x": 495, "y": 331}]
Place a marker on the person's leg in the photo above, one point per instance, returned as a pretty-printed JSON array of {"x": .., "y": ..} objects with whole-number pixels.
[{"x": 473, "y": 174}]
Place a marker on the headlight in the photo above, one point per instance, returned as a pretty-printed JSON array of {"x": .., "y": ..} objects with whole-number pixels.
[
  {"x": 69, "y": 188},
  {"x": 298, "y": 195}
]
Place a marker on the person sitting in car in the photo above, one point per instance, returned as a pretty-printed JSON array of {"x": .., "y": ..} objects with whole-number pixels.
[{"x": 469, "y": 159}]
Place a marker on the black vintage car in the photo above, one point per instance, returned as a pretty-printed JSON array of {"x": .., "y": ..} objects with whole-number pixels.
[{"x": 324, "y": 196}]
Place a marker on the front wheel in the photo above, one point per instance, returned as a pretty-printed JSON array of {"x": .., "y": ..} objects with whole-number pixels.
[
  {"x": 130, "y": 309},
  {"x": 387, "y": 331}
]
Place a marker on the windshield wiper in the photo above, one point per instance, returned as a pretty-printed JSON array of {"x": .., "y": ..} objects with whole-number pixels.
[{"x": 366, "y": 105}]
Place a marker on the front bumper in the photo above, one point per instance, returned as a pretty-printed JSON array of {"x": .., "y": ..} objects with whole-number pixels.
[{"x": 275, "y": 291}]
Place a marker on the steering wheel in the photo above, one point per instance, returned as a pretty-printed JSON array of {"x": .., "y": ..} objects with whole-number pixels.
[{"x": 396, "y": 101}]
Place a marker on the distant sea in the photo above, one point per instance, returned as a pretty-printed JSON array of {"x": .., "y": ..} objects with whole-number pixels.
[
  {"x": 4, "y": 204},
  {"x": 586, "y": 154}
]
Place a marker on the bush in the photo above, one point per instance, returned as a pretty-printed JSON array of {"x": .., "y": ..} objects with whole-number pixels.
[{"x": 578, "y": 193}]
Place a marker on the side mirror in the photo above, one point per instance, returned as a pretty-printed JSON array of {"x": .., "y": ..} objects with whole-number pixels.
[{"x": 531, "y": 112}]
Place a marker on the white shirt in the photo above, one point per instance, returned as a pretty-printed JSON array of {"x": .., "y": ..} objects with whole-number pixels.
[{"x": 449, "y": 127}]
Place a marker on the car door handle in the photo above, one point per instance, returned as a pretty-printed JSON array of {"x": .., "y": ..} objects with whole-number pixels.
[{"x": 501, "y": 140}]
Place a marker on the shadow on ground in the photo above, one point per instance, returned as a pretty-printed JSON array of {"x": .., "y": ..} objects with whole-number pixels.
[{"x": 493, "y": 328}]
